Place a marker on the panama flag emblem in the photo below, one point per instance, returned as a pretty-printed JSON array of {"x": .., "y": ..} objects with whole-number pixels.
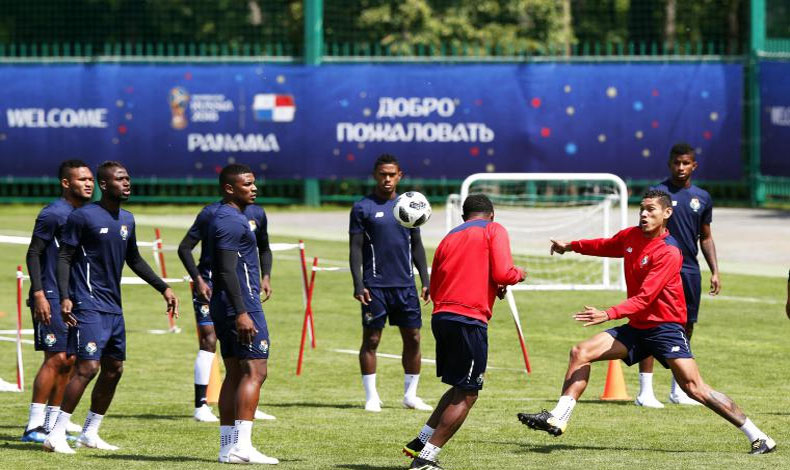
[{"x": 275, "y": 108}]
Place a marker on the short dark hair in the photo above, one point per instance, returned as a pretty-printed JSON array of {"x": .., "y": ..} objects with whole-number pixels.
[
  {"x": 477, "y": 203},
  {"x": 231, "y": 171},
  {"x": 67, "y": 165},
  {"x": 103, "y": 172},
  {"x": 385, "y": 159},
  {"x": 681, "y": 148},
  {"x": 663, "y": 197}
]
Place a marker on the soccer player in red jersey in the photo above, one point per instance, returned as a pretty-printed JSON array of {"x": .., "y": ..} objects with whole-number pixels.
[
  {"x": 471, "y": 266},
  {"x": 656, "y": 312}
]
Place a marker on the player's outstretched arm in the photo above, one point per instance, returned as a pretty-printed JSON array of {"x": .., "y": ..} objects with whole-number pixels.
[
  {"x": 503, "y": 271},
  {"x": 560, "y": 247},
  {"x": 591, "y": 316},
  {"x": 355, "y": 263},
  {"x": 41, "y": 310},
  {"x": 708, "y": 248},
  {"x": 421, "y": 263}
]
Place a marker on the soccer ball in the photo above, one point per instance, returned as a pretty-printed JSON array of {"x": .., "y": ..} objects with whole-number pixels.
[{"x": 411, "y": 209}]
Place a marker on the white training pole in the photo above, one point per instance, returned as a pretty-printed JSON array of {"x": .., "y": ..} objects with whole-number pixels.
[{"x": 511, "y": 301}]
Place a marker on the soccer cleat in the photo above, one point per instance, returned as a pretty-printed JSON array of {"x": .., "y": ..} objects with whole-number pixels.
[
  {"x": 680, "y": 398},
  {"x": 374, "y": 405},
  {"x": 424, "y": 464},
  {"x": 93, "y": 441},
  {"x": 59, "y": 446},
  {"x": 543, "y": 421},
  {"x": 413, "y": 448},
  {"x": 204, "y": 415},
  {"x": 249, "y": 456},
  {"x": 648, "y": 402},
  {"x": 38, "y": 435},
  {"x": 416, "y": 403},
  {"x": 261, "y": 415},
  {"x": 763, "y": 446},
  {"x": 73, "y": 428}
]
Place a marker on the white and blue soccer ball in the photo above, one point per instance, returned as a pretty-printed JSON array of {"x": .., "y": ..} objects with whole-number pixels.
[{"x": 411, "y": 209}]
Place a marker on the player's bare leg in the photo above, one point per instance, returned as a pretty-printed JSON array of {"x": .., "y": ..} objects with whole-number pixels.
[
  {"x": 204, "y": 361},
  {"x": 446, "y": 419},
  {"x": 688, "y": 377},
  {"x": 252, "y": 374},
  {"x": 646, "y": 396},
  {"x": 371, "y": 337},
  {"x": 48, "y": 388},
  {"x": 411, "y": 360},
  {"x": 676, "y": 393},
  {"x": 601, "y": 347},
  {"x": 101, "y": 397},
  {"x": 227, "y": 406}
]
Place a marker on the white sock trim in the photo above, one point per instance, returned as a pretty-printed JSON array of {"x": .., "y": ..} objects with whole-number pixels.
[
  {"x": 369, "y": 383},
  {"x": 243, "y": 434},
  {"x": 203, "y": 363},
  {"x": 646, "y": 384},
  {"x": 751, "y": 431},
  {"x": 425, "y": 433},
  {"x": 430, "y": 452},
  {"x": 36, "y": 415},
  {"x": 564, "y": 408},
  {"x": 410, "y": 382},
  {"x": 92, "y": 423},
  {"x": 59, "y": 429}
]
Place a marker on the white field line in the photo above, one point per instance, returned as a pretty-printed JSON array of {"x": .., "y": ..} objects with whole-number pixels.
[
  {"x": 753, "y": 300},
  {"x": 13, "y": 332},
  {"x": 13, "y": 340},
  {"x": 424, "y": 359}
]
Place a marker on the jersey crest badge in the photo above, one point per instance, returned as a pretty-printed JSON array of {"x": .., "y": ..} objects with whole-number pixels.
[
  {"x": 629, "y": 250},
  {"x": 50, "y": 339},
  {"x": 204, "y": 310},
  {"x": 695, "y": 204},
  {"x": 379, "y": 214},
  {"x": 253, "y": 225},
  {"x": 644, "y": 261},
  {"x": 91, "y": 348},
  {"x": 264, "y": 346},
  {"x": 124, "y": 231}
]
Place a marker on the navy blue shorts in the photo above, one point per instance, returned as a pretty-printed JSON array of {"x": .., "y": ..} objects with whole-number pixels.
[
  {"x": 202, "y": 312},
  {"x": 229, "y": 344},
  {"x": 400, "y": 304},
  {"x": 667, "y": 341},
  {"x": 53, "y": 337},
  {"x": 98, "y": 335},
  {"x": 692, "y": 289},
  {"x": 461, "y": 353}
]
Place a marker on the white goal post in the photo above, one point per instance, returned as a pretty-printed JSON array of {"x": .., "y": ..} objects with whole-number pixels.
[{"x": 536, "y": 207}]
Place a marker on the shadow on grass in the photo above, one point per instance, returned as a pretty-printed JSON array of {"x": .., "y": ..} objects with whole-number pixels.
[
  {"x": 151, "y": 416},
  {"x": 12, "y": 442},
  {"x": 365, "y": 467},
  {"x": 549, "y": 448},
  {"x": 342, "y": 406},
  {"x": 153, "y": 458}
]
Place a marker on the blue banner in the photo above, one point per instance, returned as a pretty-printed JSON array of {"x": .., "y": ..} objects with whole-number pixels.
[
  {"x": 290, "y": 121},
  {"x": 775, "y": 104}
]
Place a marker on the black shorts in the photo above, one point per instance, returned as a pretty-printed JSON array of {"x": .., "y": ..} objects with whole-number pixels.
[
  {"x": 667, "y": 341},
  {"x": 228, "y": 337},
  {"x": 461, "y": 352},
  {"x": 54, "y": 337},
  {"x": 692, "y": 289},
  {"x": 400, "y": 304}
]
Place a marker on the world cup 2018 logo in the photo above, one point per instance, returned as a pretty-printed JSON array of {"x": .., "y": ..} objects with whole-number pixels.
[{"x": 178, "y": 99}]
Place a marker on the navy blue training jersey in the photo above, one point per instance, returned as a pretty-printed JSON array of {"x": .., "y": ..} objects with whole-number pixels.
[
  {"x": 231, "y": 230},
  {"x": 200, "y": 230},
  {"x": 102, "y": 240},
  {"x": 49, "y": 227},
  {"x": 386, "y": 252},
  {"x": 692, "y": 207}
]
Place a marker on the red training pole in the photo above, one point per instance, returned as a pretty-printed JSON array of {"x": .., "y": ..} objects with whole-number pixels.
[
  {"x": 305, "y": 285},
  {"x": 306, "y": 321},
  {"x": 310, "y": 303},
  {"x": 19, "y": 369}
]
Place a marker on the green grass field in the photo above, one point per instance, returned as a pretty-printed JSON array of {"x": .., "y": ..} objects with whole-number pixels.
[{"x": 741, "y": 346}]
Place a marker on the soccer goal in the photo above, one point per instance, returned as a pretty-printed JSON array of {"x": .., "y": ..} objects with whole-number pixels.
[{"x": 536, "y": 207}]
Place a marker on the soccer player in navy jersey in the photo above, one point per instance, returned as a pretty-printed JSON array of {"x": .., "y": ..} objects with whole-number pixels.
[
  {"x": 690, "y": 222},
  {"x": 97, "y": 240},
  {"x": 381, "y": 256},
  {"x": 656, "y": 312},
  {"x": 51, "y": 333},
  {"x": 201, "y": 294},
  {"x": 235, "y": 307},
  {"x": 471, "y": 266}
]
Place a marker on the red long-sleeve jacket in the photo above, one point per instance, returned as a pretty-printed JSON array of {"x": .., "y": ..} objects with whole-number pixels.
[
  {"x": 468, "y": 266},
  {"x": 652, "y": 276}
]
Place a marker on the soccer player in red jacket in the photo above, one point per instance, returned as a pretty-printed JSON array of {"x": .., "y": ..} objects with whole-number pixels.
[
  {"x": 471, "y": 266},
  {"x": 656, "y": 312}
]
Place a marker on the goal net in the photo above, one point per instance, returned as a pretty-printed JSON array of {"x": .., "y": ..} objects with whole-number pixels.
[{"x": 536, "y": 207}]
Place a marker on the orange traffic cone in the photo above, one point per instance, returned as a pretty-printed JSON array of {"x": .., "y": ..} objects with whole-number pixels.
[
  {"x": 615, "y": 383},
  {"x": 214, "y": 383}
]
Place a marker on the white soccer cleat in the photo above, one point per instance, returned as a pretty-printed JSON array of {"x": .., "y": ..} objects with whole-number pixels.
[
  {"x": 223, "y": 453},
  {"x": 59, "y": 446},
  {"x": 249, "y": 456},
  {"x": 204, "y": 415},
  {"x": 373, "y": 405},
  {"x": 680, "y": 398},
  {"x": 261, "y": 415},
  {"x": 648, "y": 402},
  {"x": 73, "y": 428},
  {"x": 416, "y": 403},
  {"x": 94, "y": 442}
]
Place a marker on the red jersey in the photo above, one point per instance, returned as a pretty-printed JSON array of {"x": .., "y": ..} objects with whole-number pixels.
[
  {"x": 652, "y": 276},
  {"x": 471, "y": 262}
]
